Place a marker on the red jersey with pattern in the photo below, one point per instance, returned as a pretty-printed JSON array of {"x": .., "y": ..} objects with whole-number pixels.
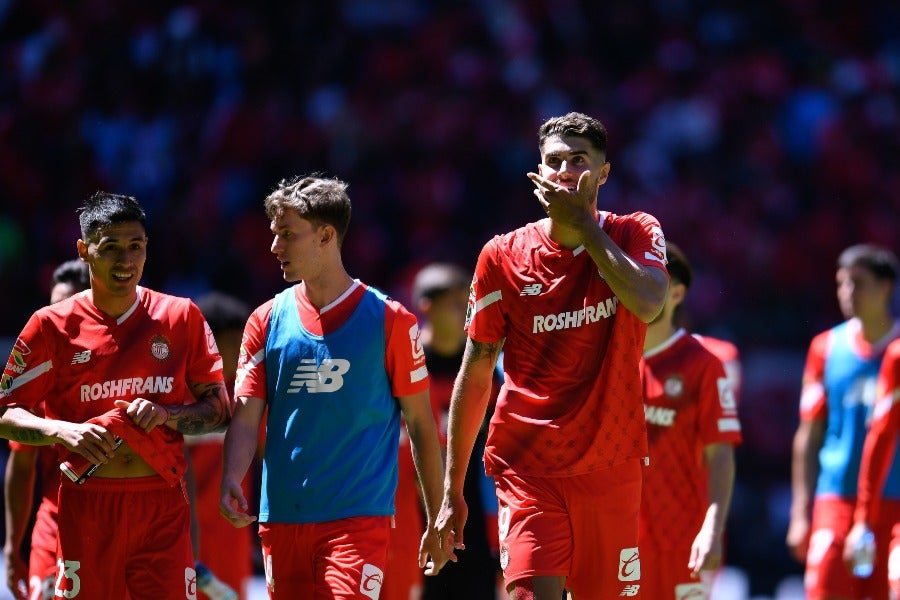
[
  {"x": 689, "y": 405},
  {"x": 571, "y": 399},
  {"x": 77, "y": 360},
  {"x": 881, "y": 439},
  {"x": 404, "y": 359}
]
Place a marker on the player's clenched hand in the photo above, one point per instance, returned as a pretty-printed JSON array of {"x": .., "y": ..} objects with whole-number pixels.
[
  {"x": 144, "y": 413},
  {"x": 568, "y": 203},
  {"x": 233, "y": 506},
  {"x": 92, "y": 441}
]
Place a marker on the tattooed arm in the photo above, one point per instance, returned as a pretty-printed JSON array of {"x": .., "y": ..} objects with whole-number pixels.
[
  {"x": 211, "y": 411},
  {"x": 88, "y": 439}
]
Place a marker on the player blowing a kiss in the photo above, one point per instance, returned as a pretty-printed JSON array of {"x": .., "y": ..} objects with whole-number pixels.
[{"x": 568, "y": 299}]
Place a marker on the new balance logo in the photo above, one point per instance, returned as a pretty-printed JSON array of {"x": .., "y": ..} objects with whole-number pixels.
[
  {"x": 533, "y": 289},
  {"x": 326, "y": 377},
  {"x": 81, "y": 357},
  {"x": 630, "y": 591}
]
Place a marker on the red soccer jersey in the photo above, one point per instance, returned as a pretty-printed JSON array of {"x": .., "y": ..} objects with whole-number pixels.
[
  {"x": 689, "y": 405},
  {"x": 404, "y": 359},
  {"x": 571, "y": 399},
  {"x": 881, "y": 439},
  {"x": 78, "y": 360}
]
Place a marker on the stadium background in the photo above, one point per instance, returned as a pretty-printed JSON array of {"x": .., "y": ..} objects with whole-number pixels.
[{"x": 763, "y": 135}]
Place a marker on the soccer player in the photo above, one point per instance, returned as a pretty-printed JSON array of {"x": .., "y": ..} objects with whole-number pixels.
[
  {"x": 875, "y": 501},
  {"x": 839, "y": 382},
  {"x": 34, "y": 581},
  {"x": 336, "y": 362},
  {"x": 117, "y": 361},
  {"x": 692, "y": 428},
  {"x": 568, "y": 299}
]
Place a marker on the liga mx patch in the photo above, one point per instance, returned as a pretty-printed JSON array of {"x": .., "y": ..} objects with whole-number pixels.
[{"x": 372, "y": 579}]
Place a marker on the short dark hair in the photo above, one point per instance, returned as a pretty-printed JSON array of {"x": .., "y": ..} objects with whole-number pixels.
[
  {"x": 574, "y": 124},
  {"x": 223, "y": 311},
  {"x": 436, "y": 278},
  {"x": 678, "y": 265},
  {"x": 318, "y": 199},
  {"x": 880, "y": 261},
  {"x": 73, "y": 272},
  {"x": 103, "y": 209}
]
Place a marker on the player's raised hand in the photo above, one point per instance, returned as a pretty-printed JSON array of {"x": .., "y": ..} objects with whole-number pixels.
[{"x": 570, "y": 204}]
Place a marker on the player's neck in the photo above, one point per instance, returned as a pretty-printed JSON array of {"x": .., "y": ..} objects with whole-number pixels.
[
  {"x": 657, "y": 333},
  {"x": 328, "y": 287},
  {"x": 875, "y": 328},
  {"x": 114, "y": 306}
]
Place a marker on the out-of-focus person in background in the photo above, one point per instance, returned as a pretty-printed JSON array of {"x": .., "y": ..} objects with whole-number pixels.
[
  {"x": 692, "y": 429},
  {"x": 224, "y": 554},
  {"x": 873, "y": 503},
  {"x": 34, "y": 470},
  {"x": 836, "y": 403}
]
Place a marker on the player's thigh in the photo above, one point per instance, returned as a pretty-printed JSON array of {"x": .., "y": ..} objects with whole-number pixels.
[
  {"x": 535, "y": 532},
  {"x": 604, "y": 507},
  {"x": 826, "y": 573},
  {"x": 351, "y": 557}
]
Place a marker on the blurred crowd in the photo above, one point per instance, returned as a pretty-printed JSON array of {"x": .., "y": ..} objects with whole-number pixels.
[{"x": 765, "y": 136}]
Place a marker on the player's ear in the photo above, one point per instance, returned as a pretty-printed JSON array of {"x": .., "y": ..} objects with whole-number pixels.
[{"x": 81, "y": 247}]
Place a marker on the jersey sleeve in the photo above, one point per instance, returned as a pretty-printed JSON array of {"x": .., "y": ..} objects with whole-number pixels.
[
  {"x": 645, "y": 241},
  {"x": 881, "y": 439},
  {"x": 718, "y": 406},
  {"x": 251, "y": 370},
  {"x": 205, "y": 365},
  {"x": 813, "y": 403},
  {"x": 404, "y": 358},
  {"x": 27, "y": 374},
  {"x": 485, "y": 320}
]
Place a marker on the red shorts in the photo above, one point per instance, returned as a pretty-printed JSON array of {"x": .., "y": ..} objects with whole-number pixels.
[
  {"x": 583, "y": 528},
  {"x": 42, "y": 559},
  {"x": 826, "y": 573},
  {"x": 124, "y": 536},
  {"x": 665, "y": 574},
  {"x": 335, "y": 559},
  {"x": 403, "y": 579}
]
